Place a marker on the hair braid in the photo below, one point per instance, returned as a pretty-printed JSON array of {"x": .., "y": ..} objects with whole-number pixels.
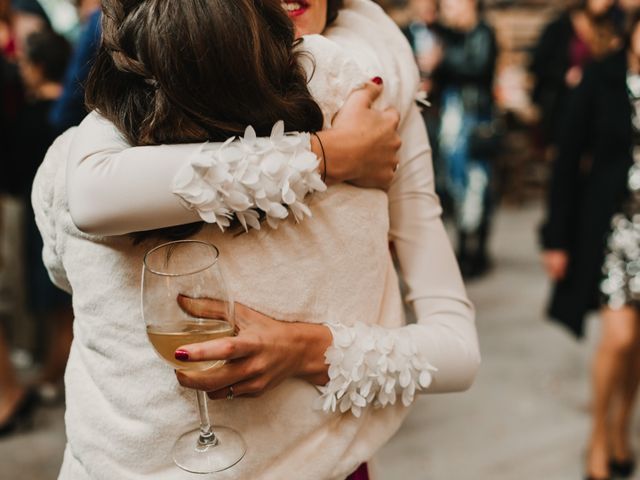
[{"x": 120, "y": 22}]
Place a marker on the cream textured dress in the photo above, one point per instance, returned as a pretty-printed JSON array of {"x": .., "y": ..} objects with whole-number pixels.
[{"x": 124, "y": 406}]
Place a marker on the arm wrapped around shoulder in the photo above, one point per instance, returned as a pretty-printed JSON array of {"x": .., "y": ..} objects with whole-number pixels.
[
  {"x": 250, "y": 175},
  {"x": 372, "y": 365}
]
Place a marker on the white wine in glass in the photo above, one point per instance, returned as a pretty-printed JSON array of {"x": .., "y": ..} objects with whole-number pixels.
[
  {"x": 189, "y": 268},
  {"x": 167, "y": 338}
]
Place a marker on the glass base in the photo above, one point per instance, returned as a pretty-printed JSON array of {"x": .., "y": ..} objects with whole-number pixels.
[{"x": 190, "y": 455}]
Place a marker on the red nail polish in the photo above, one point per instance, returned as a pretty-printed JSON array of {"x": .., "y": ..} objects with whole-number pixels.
[
  {"x": 182, "y": 355},
  {"x": 377, "y": 80}
]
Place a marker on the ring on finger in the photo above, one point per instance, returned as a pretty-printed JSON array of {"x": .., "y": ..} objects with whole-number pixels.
[{"x": 230, "y": 393}]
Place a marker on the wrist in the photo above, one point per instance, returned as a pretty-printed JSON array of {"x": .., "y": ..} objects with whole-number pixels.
[
  {"x": 312, "y": 341},
  {"x": 339, "y": 155}
]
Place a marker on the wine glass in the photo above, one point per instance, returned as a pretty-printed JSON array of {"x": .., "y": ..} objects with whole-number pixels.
[{"x": 190, "y": 268}]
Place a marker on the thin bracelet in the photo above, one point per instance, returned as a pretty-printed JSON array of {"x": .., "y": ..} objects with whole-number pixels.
[{"x": 324, "y": 157}]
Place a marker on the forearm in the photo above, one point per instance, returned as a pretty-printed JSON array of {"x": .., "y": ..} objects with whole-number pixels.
[
  {"x": 371, "y": 365},
  {"x": 446, "y": 329},
  {"x": 115, "y": 189}
]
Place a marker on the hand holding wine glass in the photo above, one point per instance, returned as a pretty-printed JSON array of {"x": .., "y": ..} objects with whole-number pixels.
[
  {"x": 190, "y": 268},
  {"x": 263, "y": 354}
]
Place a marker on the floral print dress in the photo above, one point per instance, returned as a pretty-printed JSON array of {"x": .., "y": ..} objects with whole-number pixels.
[{"x": 621, "y": 284}]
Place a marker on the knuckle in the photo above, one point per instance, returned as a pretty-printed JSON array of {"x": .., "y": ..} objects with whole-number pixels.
[
  {"x": 228, "y": 349},
  {"x": 245, "y": 369},
  {"x": 257, "y": 386},
  {"x": 261, "y": 367}
]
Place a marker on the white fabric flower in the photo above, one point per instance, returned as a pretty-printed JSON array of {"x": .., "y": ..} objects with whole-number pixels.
[
  {"x": 372, "y": 365},
  {"x": 250, "y": 175}
]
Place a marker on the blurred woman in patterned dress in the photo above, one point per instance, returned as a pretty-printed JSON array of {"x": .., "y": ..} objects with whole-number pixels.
[{"x": 603, "y": 119}]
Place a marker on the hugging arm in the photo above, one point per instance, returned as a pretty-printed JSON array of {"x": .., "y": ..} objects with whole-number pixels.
[
  {"x": 367, "y": 364},
  {"x": 445, "y": 331},
  {"x": 114, "y": 188},
  {"x": 438, "y": 354}
]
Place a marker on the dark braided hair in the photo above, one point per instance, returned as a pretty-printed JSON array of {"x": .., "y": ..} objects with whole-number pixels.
[
  {"x": 174, "y": 71},
  {"x": 179, "y": 71}
]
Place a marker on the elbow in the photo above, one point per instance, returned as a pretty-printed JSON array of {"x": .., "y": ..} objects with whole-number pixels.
[
  {"x": 82, "y": 210},
  {"x": 459, "y": 378},
  {"x": 82, "y": 219},
  {"x": 473, "y": 363}
]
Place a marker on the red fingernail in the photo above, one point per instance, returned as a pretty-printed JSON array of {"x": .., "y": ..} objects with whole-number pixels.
[
  {"x": 377, "y": 80},
  {"x": 182, "y": 355}
]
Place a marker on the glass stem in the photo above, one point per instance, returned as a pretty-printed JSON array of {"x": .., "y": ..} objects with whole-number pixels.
[{"x": 207, "y": 437}]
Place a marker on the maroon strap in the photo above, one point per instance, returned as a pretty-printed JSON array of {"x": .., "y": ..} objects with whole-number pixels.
[{"x": 362, "y": 473}]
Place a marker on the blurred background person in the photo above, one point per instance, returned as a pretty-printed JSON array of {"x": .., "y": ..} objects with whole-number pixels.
[
  {"x": 69, "y": 109},
  {"x": 28, "y": 17},
  {"x": 579, "y": 35},
  {"x": 11, "y": 92},
  {"x": 617, "y": 368},
  {"x": 464, "y": 77},
  {"x": 33, "y": 61},
  {"x": 42, "y": 65},
  {"x": 603, "y": 121},
  {"x": 422, "y": 33},
  {"x": 43, "y": 57}
]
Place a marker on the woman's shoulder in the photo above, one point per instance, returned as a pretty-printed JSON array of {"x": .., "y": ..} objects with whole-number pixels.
[
  {"x": 58, "y": 151},
  {"x": 320, "y": 47},
  {"x": 49, "y": 178},
  {"x": 375, "y": 42},
  {"x": 559, "y": 26},
  {"x": 332, "y": 73}
]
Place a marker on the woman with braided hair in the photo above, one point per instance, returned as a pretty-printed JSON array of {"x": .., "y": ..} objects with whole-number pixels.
[{"x": 198, "y": 71}]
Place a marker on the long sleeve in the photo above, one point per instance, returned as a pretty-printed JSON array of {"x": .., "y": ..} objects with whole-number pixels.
[
  {"x": 563, "y": 194},
  {"x": 438, "y": 354},
  {"x": 550, "y": 58},
  {"x": 445, "y": 317},
  {"x": 370, "y": 365},
  {"x": 115, "y": 189}
]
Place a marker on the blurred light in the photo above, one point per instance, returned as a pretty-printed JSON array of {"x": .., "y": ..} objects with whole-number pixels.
[{"x": 63, "y": 15}]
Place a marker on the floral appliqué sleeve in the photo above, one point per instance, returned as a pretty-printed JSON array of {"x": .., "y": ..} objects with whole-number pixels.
[
  {"x": 244, "y": 178},
  {"x": 372, "y": 365}
]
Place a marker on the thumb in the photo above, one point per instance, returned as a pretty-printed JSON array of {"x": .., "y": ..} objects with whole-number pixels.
[{"x": 204, "y": 307}]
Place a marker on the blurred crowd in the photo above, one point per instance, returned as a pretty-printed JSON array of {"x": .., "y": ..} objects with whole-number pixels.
[
  {"x": 41, "y": 77},
  {"x": 580, "y": 87},
  {"x": 584, "y": 94}
]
